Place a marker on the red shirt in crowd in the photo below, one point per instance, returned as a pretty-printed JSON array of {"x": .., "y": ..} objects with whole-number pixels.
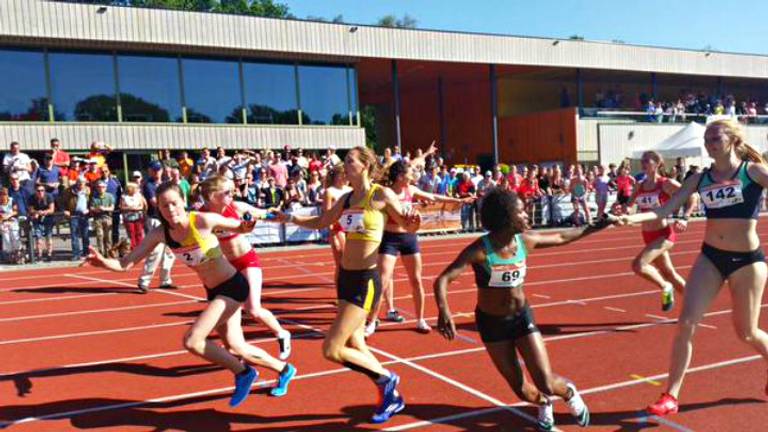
[
  {"x": 624, "y": 184},
  {"x": 465, "y": 188},
  {"x": 529, "y": 188},
  {"x": 315, "y": 165},
  {"x": 514, "y": 181}
]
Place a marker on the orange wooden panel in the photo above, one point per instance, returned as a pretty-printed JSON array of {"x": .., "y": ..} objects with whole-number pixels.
[{"x": 539, "y": 137}]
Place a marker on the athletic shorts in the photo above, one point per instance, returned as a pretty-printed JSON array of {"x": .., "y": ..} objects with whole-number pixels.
[
  {"x": 622, "y": 199},
  {"x": 666, "y": 233},
  {"x": 361, "y": 288},
  {"x": 236, "y": 288},
  {"x": 250, "y": 259},
  {"x": 495, "y": 328},
  {"x": 399, "y": 244},
  {"x": 728, "y": 262}
]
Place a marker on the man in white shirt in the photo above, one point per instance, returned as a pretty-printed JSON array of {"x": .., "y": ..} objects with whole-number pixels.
[{"x": 17, "y": 163}]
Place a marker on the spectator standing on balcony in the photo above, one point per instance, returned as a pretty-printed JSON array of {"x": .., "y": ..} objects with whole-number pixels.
[
  {"x": 49, "y": 176},
  {"x": 9, "y": 228},
  {"x": 101, "y": 208},
  {"x": 99, "y": 152},
  {"x": 41, "y": 209},
  {"x": 161, "y": 254},
  {"x": 18, "y": 163},
  {"x": 61, "y": 158},
  {"x": 278, "y": 171},
  {"x": 133, "y": 207}
]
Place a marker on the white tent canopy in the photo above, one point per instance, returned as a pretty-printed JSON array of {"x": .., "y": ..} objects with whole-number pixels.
[{"x": 688, "y": 142}]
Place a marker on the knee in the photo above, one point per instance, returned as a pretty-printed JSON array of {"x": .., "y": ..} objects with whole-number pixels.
[
  {"x": 194, "y": 343},
  {"x": 638, "y": 266},
  {"x": 332, "y": 352},
  {"x": 686, "y": 327}
]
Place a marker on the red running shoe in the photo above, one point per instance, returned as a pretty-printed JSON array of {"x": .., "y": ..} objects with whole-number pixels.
[{"x": 667, "y": 404}]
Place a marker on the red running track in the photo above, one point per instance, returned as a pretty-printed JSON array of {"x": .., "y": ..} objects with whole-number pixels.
[{"x": 80, "y": 350}]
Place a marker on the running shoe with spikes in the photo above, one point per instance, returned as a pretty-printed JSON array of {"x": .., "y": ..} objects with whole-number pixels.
[
  {"x": 577, "y": 407},
  {"x": 391, "y": 400},
  {"x": 667, "y": 404},
  {"x": 394, "y": 316},
  {"x": 371, "y": 327},
  {"x": 667, "y": 299},
  {"x": 422, "y": 327},
  {"x": 546, "y": 418}
]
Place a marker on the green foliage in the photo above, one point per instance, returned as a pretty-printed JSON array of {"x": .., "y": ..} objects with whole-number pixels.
[
  {"x": 406, "y": 21},
  {"x": 262, "y": 8},
  {"x": 368, "y": 121}
]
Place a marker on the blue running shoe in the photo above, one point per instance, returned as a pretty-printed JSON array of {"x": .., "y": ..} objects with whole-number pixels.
[
  {"x": 392, "y": 402},
  {"x": 281, "y": 389},
  {"x": 243, "y": 383}
]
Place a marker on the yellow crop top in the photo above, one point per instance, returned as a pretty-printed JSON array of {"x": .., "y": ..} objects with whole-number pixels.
[
  {"x": 363, "y": 222},
  {"x": 194, "y": 250}
]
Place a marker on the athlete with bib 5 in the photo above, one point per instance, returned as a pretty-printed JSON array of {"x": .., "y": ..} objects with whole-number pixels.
[
  {"x": 503, "y": 316},
  {"x": 190, "y": 237},
  {"x": 653, "y": 262},
  {"x": 730, "y": 190}
]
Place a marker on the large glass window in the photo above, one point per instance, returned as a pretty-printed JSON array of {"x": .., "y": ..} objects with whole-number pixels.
[
  {"x": 353, "y": 102},
  {"x": 83, "y": 86},
  {"x": 270, "y": 93},
  {"x": 212, "y": 91},
  {"x": 149, "y": 88},
  {"x": 22, "y": 86},
  {"x": 323, "y": 91}
]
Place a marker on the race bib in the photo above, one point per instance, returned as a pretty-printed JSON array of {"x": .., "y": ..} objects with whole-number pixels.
[
  {"x": 648, "y": 201},
  {"x": 352, "y": 221},
  {"x": 722, "y": 194},
  {"x": 191, "y": 256},
  {"x": 507, "y": 276}
]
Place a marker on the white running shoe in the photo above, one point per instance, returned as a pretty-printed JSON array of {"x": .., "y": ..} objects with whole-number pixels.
[
  {"x": 284, "y": 339},
  {"x": 577, "y": 407},
  {"x": 546, "y": 419},
  {"x": 370, "y": 329},
  {"x": 423, "y": 327}
]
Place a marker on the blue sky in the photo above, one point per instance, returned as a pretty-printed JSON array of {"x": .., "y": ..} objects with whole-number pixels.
[{"x": 736, "y": 26}]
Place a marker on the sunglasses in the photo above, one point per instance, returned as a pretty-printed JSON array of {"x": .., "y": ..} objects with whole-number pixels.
[{"x": 41, "y": 190}]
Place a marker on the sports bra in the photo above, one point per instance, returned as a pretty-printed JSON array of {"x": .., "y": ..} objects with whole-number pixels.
[
  {"x": 194, "y": 250},
  {"x": 229, "y": 212},
  {"x": 497, "y": 272},
  {"x": 406, "y": 202},
  {"x": 735, "y": 198},
  {"x": 648, "y": 200},
  {"x": 363, "y": 222}
]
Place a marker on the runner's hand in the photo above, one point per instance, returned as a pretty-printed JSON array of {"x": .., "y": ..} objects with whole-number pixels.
[
  {"x": 681, "y": 225},
  {"x": 446, "y": 326}
]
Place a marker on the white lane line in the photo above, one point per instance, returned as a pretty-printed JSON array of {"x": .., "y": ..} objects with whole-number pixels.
[
  {"x": 93, "y": 333},
  {"x": 615, "y": 309},
  {"x": 658, "y": 317},
  {"x": 92, "y": 311},
  {"x": 125, "y": 284},
  {"x": 546, "y": 297},
  {"x": 57, "y": 298}
]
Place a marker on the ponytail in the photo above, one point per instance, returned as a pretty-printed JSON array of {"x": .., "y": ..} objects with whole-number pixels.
[{"x": 749, "y": 153}]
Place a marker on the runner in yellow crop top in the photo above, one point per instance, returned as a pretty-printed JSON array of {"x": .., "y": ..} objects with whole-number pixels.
[
  {"x": 191, "y": 237},
  {"x": 361, "y": 213}
]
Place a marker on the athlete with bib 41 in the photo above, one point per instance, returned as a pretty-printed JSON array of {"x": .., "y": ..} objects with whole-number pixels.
[
  {"x": 503, "y": 316},
  {"x": 731, "y": 191}
]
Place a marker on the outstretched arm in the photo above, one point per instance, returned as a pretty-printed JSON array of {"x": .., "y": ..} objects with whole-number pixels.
[
  {"x": 153, "y": 238},
  {"x": 535, "y": 240},
  {"x": 445, "y": 323},
  {"x": 681, "y": 196}
]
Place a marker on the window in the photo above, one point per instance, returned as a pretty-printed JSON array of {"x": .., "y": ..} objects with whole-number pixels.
[
  {"x": 323, "y": 95},
  {"x": 149, "y": 96},
  {"x": 83, "y": 86},
  {"x": 212, "y": 91},
  {"x": 22, "y": 86},
  {"x": 352, "y": 83},
  {"x": 270, "y": 93}
]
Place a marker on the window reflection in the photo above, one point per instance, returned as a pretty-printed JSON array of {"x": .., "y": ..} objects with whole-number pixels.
[
  {"x": 323, "y": 91},
  {"x": 212, "y": 91},
  {"x": 83, "y": 86},
  {"x": 270, "y": 93},
  {"x": 149, "y": 88},
  {"x": 22, "y": 86}
]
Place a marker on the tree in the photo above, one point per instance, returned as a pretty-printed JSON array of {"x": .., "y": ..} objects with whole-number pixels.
[
  {"x": 338, "y": 19},
  {"x": 368, "y": 121},
  {"x": 262, "y": 8},
  {"x": 406, "y": 21},
  {"x": 576, "y": 37},
  {"x": 97, "y": 108}
]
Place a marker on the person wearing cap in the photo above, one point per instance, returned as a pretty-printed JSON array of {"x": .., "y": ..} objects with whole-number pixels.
[
  {"x": 61, "y": 158},
  {"x": 101, "y": 207},
  {"x": 448, "y": 183},
  {"x": 41, "y": 208},
  {"x": 133, "y": 207},
  {"x": 161, "y": 255},
  {"x": 115, "y": 188}
]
